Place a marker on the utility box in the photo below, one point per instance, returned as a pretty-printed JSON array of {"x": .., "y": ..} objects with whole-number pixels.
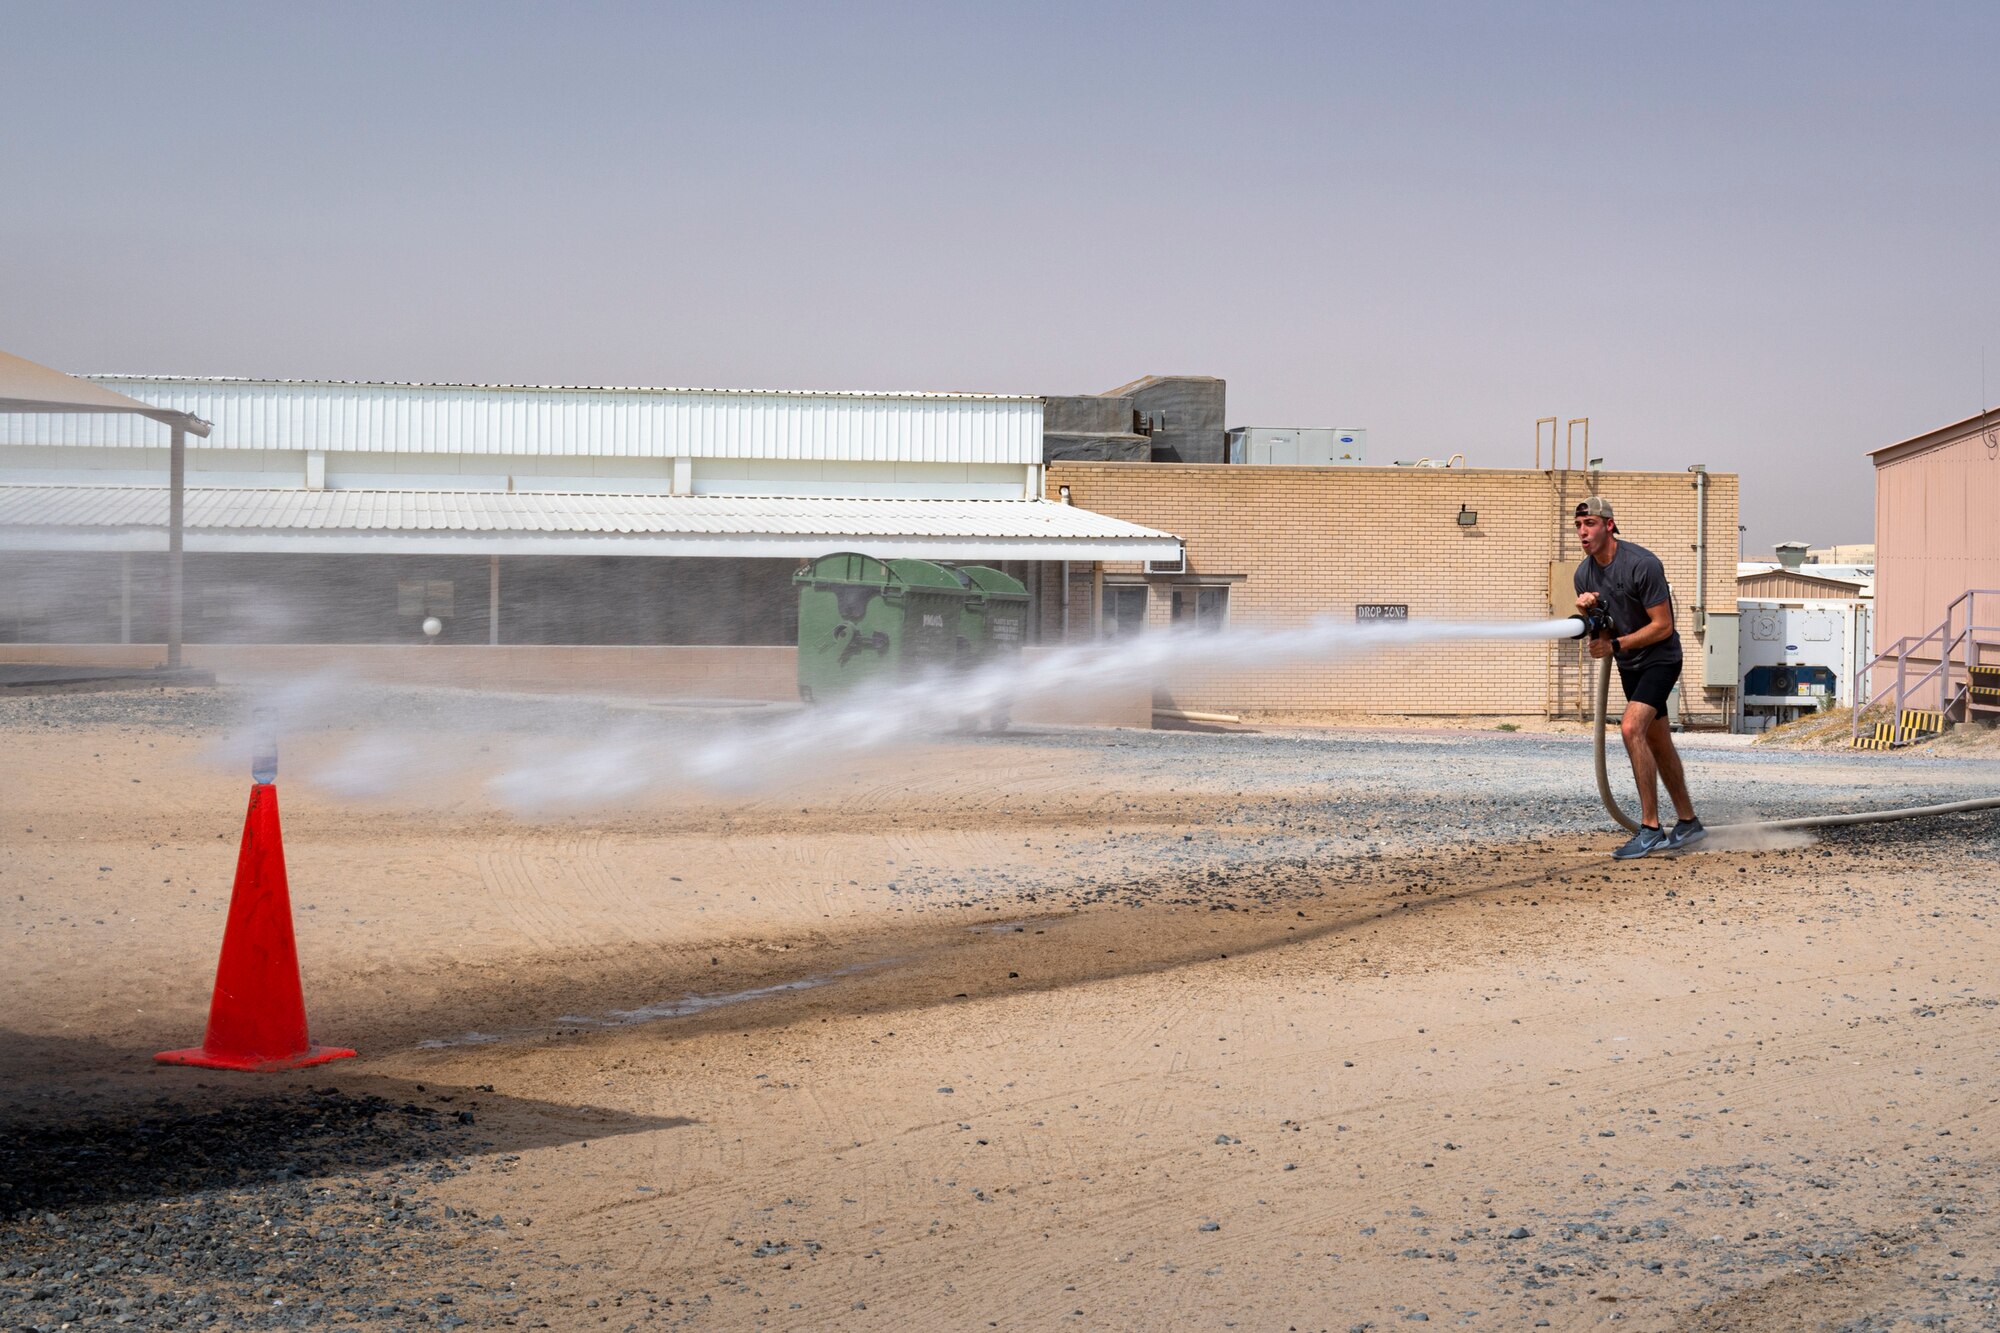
[
  {"x": 866, "y": 621},
  {"x": 1298, "y": 446},
  {"x": 1562, "y": 587},
  {"x": 1719, "y": 652}
]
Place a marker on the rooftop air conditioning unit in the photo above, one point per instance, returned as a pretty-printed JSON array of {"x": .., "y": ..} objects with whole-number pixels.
[{"x": 1178, "y": 565}]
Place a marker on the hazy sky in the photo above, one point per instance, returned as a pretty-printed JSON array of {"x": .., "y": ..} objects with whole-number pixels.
[{"x": 1760, "y": 237}]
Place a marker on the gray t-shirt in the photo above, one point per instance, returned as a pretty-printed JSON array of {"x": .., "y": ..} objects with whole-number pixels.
[{"x": 1632, "y": 582}]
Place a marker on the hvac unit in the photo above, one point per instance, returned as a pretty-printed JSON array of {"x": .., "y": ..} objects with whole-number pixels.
[
  {"x": 1178, "y": 565},
  {"x": 1793, "y": 653},
  {"x": 1297, "y": 446}
]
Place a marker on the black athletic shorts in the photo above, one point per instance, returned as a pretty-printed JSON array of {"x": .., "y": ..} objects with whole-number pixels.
[{"x": 1650, "y": 685}]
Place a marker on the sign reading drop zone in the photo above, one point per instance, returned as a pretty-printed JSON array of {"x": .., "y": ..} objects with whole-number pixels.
[{"x": 1382, "y": 611}]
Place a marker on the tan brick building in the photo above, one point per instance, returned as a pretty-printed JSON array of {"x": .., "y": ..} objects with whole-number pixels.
[{"x": 1280, "y": 546}]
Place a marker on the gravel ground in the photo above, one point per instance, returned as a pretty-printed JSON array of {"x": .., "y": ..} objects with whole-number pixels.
[
  {"x": 1443, "y": 798},
  {"x": 293, "y": 1211},
  {"x": 1679, "y": 1189},
  {"x": 1502, "y": 785}
]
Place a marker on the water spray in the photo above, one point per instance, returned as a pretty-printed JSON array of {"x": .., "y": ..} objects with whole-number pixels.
[{"x": 581, "y": 765}]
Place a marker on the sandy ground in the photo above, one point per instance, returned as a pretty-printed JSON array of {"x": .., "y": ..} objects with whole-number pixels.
[{"x": 1069, "y": 1029}]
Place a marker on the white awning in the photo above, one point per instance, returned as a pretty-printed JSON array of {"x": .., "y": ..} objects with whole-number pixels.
[
  {"x": 243, "y": 519},
  {"x": 27, "y": 386}
]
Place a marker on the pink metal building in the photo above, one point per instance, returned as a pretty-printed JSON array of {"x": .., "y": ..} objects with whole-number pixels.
[{"x": 1937, "y": 531}]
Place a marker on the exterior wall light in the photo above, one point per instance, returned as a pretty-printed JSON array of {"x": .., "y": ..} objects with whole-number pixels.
[{"x": 1467, "y": 518}]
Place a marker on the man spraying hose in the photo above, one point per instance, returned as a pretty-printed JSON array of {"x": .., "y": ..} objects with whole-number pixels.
[{"x": 1628, "y": 582}]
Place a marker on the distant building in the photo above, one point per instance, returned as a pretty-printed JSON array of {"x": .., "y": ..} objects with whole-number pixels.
[
  {"x": 1794, "y": 573},
  {"x": 1093, "y": 428},
  {"x": 1777, "y": 582},
  {"x": 1154, "y": 419},
  {"x": 1274, "y": 546},
  {"x": 1182, "y": 415},
  {"x": 650, "y": 536},
  {"x": 321, "y": 512}
]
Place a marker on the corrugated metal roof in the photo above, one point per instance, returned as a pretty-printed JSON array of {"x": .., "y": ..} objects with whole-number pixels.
[
  {"x": 1985, "y": 421},
  {"x": 546, "y": 511},
  {"x": 110, "y": 377},
  {"x": 584, "y": 422},
  {"x": 1776, "y": 581},
  {"x": 555, "y": 522},
  {"x": 1748, "y": 569}
]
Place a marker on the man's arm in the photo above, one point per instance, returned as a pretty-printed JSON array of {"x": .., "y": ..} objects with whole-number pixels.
[{"x": 1658, "y": 627}]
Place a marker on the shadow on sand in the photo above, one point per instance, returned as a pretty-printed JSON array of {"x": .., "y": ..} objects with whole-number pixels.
[{"x": 145, "y": 1135}]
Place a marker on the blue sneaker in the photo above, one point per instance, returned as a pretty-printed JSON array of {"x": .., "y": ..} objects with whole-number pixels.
[
  {"x": 1644, "y": 842},
  {"x": 1686, "y": 834}
]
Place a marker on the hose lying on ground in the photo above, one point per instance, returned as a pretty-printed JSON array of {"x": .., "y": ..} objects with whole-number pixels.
[
  {"x": 1631, "y": 825},
  {"x": 1188, "y": 715}
]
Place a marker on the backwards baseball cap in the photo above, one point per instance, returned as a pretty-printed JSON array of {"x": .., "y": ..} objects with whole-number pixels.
[{"x": 1596, "y": 507}]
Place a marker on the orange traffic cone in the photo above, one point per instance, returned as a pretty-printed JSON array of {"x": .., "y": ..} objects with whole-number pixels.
[{"x": 257, "y": 1018}]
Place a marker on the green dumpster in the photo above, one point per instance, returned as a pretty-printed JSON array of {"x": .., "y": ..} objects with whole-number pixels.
[
  {"x": 995, "y": 621},
  {"x": 992, "y": 629},
  {"x": 864, "y": 620}
]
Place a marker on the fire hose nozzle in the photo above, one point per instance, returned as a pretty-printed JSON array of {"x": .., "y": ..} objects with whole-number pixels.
[{"x": 1592, "y": 624}]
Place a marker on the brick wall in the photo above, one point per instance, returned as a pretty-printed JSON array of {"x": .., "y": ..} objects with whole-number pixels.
[{"x": 1308, "y": 542}]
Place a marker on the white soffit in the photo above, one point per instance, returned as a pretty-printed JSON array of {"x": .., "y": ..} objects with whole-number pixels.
[{"x": 243, "y": 519}]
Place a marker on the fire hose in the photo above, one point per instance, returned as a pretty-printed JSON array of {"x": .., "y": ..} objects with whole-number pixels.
[{"x": 1595, "y": 624}]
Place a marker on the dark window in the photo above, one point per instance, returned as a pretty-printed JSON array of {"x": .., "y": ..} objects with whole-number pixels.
[
  {"x": 1124, "y": 610},
  {"x": 1203, "y": 609}
]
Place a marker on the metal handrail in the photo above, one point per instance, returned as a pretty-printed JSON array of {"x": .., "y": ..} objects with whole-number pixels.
[
  {"x": 1904, "y": 687},
  {"x": 1900, "y": 651},
  {"x": 1948, "y": 643}
]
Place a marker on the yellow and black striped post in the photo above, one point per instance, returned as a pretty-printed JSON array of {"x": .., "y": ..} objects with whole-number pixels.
[{"x": 1919, "y": 724}]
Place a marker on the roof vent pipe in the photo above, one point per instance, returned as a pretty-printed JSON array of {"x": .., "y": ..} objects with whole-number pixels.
[{"x": 1700, "y": 471}]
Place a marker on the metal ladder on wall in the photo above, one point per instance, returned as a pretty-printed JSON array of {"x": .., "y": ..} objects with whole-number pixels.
[
  {"x": 1964, "y": 690},
  {"x": 1566, "y": 668}
]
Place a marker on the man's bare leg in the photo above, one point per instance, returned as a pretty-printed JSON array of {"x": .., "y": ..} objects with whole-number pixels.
[
  {"x": 1667, "y": 760},
  {"x": 1635, "y": 728}
]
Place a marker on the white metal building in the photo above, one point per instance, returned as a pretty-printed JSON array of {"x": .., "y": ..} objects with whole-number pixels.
[
  {"x": 315, "y": 435},
  {"x": 497, "y": 508}
]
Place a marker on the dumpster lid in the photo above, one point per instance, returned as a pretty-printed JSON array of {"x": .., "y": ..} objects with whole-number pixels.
[
  {"x": 924, "y": 574},
  {"x": 853, "y": 567},
  {"x": 991, "y": 581}
]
